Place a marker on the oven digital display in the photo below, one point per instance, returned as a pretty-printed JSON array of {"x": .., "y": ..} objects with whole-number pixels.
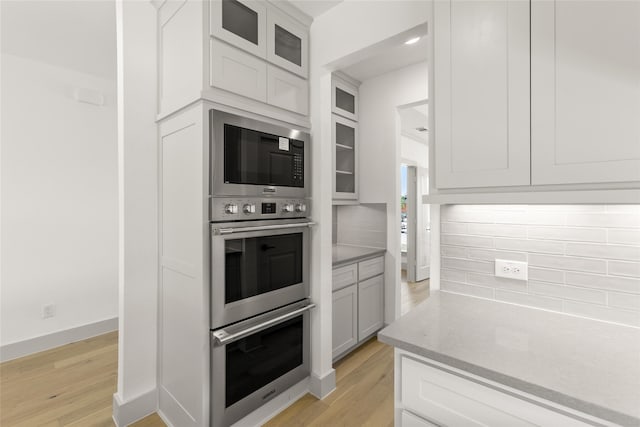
[{"x": 268, "y": 208}]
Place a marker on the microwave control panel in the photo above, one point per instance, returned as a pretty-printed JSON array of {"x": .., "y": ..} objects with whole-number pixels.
[{"x": 241, "y": 209}]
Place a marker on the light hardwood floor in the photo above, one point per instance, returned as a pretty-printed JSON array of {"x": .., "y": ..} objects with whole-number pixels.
[{"x": 73, "y": 386}]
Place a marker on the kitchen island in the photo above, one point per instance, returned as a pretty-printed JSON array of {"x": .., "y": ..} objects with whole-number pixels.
[{"x": 470, "y": 360}]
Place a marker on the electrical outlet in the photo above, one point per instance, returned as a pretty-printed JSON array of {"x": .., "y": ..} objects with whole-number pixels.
[
  {"x": 511, "y": 269},
  {"x": 48, "y": 310}
]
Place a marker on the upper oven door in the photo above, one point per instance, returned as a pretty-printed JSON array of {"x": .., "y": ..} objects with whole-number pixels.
[
  {"x": 257, "y": 268},
  {"x": 253, "y": 158}
]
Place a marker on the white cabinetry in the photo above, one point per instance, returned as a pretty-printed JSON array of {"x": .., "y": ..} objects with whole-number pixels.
[
  {"x": 585, "y": 91},
  {"x": 249, "y": 55},
  {"x": 429, "y": 393},
  {"x": 358, "y": 303},
  {"x": 345, "y": 158},
  {"x": 482, "y": 93},
  {"x": 344, "y": 98},
  {"x": 536, "y": 93}
]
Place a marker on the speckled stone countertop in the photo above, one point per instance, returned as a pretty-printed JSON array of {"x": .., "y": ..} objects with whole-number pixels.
[
  {"x": 587, "y": 365},
  {"x": 345, "y": 254}
]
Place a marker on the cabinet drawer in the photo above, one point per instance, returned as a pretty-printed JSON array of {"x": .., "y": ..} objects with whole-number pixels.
[
  {"x": 344, "y": 276},
  {"x": 238, "y": 71},
  {"x": 448, "y": 399},
  {"x": 288, "y": 91},
  {"x": 410, "y": 420},
  {"x": 370, "y": 268}
]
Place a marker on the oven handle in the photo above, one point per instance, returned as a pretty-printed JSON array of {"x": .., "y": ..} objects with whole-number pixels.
[
  {"x": 221, "y": 231},
  {"x": 222, "y": 337}
]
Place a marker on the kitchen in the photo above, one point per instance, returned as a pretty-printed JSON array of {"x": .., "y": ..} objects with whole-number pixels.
[{"x": 573, "y": 219}]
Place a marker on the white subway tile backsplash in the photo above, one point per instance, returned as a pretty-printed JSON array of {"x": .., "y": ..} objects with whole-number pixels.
[
  {"x": 607, "y": 283},
  {"x": 609, "y": 220},
  {"x": 529, "y": 300},
  {"x": 621, "y": 268},
  {"x": 545, "y": 275},
  {"x": 496, "y": 282},
  {"x": 469, "y": 241},
  {"x": 600, "y": 312},
  {"x": 583, "y": 259},
  {"x": 568, "y": 292},
  {"x": 497, "y": 230},
  {"x": 539, "y": 246},
  {"x": 624, "y": 237},
  {"x": 454, "y": 251},
  {"x": 630, "y": 253},
  {"x": 565, "y": 233},
  {"x": 461, "y": 288},
  {"x": 568, "y": 263},
  {"x": 626, "y": 301},
  {"x": 492, "y": 255},
  {"x": 468, "y": 265},
  {"x": 453, "y": 228}
]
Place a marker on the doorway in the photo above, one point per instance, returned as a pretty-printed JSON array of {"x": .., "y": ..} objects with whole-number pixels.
[{"x": 415, "y": 227}]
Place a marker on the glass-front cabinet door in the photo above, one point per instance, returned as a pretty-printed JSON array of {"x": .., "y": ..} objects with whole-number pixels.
[
  {"x": 345, "y": 158},
  {"x": 241, "y": 23},
  {"x": 287, "y": 43},
  {"x": 344, "y": 99}
]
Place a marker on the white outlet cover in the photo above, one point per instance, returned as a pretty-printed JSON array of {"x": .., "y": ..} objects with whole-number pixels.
[{"x": 517, "y": 270}]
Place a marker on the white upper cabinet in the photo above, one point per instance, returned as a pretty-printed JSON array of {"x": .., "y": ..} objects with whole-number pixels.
[
  {"x": 287, "y": 43},
  {"x": 344, "y": 99},
  {"x": 242, "y": 23},
  {"x": 585, "y": 91},
  {"x": 482, "y": 104}
]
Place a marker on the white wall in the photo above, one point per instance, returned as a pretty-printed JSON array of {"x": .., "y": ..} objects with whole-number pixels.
[
  {"x": 338, "y": 38},
  {"x": 414, "y": 153},
  {"x": 138, "y": 211},
  {"x": 380, "y": 98},
  {"x": 59, "y": 200}
]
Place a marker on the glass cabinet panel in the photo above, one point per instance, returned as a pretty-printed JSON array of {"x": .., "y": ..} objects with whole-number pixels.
[
  {"x": 345, "y": 158},
  {"x": 288, "y": 45},
  {"x": 240, "y": 20},
  {"x": 345, "y": 101}
]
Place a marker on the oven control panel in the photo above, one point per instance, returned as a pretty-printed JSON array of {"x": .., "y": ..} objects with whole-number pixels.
[{"x": 239, "y": 208}]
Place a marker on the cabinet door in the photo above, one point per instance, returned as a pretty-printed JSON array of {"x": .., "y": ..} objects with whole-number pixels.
[
  {"x": 287, "y": 91},
  {"x": 241, "y": 23},
  {"x": 345, "y": 158},
  {"x": 238, "y": 72},
  {"x": 585, "y": 91},
  {"x": 481, "y": 60},
  {"x": 287, "y": 43},
  {"x": 370, "y": 306},
  {"x": 345, "y": 319},
  {"x": 344, "y": 99}
]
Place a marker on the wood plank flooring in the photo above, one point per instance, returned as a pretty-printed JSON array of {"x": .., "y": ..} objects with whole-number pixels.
[{"x": 73, "y": 385}]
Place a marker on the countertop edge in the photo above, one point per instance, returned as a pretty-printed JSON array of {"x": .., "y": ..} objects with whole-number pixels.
[
  {"x": 520, "y": 385},
  {"x": 374, "y": 253}
]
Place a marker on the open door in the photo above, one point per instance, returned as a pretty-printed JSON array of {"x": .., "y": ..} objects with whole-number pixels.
[{"x": 418, "y": 225}]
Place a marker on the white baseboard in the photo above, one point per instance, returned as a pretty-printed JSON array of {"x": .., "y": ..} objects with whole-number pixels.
[
  {"x": 56, "y": 339},
  {"x": 322, "y": 387},
  {"x": 126, "y": 413}
]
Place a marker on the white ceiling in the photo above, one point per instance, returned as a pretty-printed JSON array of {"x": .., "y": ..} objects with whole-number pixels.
[
  {"x": 412, "y": 118},
  {"x": 314, "y": 8},
  {"x": 389, "y": 58},
  {"x": 80, "y": 35}
]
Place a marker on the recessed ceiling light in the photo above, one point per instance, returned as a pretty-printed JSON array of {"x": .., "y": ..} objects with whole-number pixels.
[{"x": 412, "y": 41}]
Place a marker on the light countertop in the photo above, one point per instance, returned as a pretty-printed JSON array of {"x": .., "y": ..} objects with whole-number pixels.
[
  {"x": 346, "y": 254},
  {"x": 587, "y": 365}
]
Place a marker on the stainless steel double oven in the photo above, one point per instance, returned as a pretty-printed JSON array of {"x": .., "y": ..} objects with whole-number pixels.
[{"x": 259, "y": 263}]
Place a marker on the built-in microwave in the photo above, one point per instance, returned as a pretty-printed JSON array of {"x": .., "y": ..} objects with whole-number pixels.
[{"x": 255, "y": 158}]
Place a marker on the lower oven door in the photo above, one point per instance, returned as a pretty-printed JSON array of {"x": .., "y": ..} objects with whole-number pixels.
[
  {"x": 257, "y": 267},
  {"x": 255, "y": 360}
]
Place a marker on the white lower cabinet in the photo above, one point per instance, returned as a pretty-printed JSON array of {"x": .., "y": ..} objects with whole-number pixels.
[
  {"x": 432, "y": 395},
  {"x": 345, "y": 319},
  {"x": 358, "y": 304},
  {"x": 370, "y": 306}
]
